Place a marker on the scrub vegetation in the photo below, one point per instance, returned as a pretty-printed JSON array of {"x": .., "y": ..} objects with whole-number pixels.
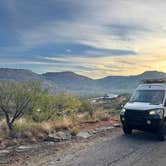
[{"x": 27, "y": 111}]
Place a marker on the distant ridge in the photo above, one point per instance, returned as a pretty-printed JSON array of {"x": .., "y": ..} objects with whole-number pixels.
[
  {"x": 81, "y": 85},
  {"x": 18, "y": 74},
  {"x": 71, "y": 81},
  {"x": 22, "y": 75},
  {"x": 115, "y": 84}
]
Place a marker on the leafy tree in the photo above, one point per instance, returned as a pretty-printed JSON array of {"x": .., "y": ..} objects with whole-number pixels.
[
  {"x": 16, "y": 99},
  {"x": 44, "y": 107}
]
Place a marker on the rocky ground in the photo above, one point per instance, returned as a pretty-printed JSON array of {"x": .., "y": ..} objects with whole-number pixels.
[
  {"x": 56, "y": 145},
  {"x": 103, "y": 146}
]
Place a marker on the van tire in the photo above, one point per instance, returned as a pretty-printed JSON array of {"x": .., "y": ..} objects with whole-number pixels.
[
  {"x": 162, "y": 132},
  {"x": 127, "y": 130}
]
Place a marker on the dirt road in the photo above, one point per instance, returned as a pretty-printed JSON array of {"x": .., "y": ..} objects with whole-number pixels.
[{"x": 139, "y": 149}]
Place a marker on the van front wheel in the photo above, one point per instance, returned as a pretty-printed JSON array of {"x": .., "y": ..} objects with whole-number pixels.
[
  {"x": 162, "y": 132},
  {"x": 127, "y": 129}
]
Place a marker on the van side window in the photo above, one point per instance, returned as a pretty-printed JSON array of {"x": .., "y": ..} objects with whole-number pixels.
[{"x": 165, "y": 103}]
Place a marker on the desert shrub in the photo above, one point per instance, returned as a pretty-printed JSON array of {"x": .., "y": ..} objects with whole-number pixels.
[
  {"x": 48, "y": 107},
  {"x": 66, "y": 103},
  {"x": 44, "y": 108},
  {"x": 67, "y": 106},
  {"x": 74, "y": 131},
  {"x": 86, "y": 106}
]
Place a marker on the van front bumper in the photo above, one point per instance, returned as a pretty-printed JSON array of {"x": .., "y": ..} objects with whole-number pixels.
[{"x": 150, "y": 123}]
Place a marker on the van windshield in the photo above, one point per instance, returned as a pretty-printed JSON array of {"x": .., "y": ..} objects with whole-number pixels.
[{"x": 155, "y": 97}]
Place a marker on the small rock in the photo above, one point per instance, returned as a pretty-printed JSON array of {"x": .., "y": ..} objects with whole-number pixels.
[
  {"x": 58, "y": 137},
  {"x": 91, "y": 132},
  {"x": 49, "y": 143},
  {"x": 23, "y": 148},
  {"x": 60, "y": 134},
  {"x": 103, "y": 129},
  {"x": 64, "y": 136},
  {"x": 15, "y": 141},
  {"x": 83, "y": 134},
  {"x": 94, "y": 132},
  {"x": 117, "y": 125},
  {"x": 4, "y": 152},
  {"x": 49, "y": 138}
]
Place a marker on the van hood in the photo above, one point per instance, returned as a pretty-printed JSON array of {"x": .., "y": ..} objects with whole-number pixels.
[{"x": 142, "y": 106}]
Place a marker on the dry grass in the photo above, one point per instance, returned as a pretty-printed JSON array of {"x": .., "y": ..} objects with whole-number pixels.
[
  {"x": 47, "y": 126},
  {"x": 25, "y": 128},
  {"x": 62, "y": 124}
]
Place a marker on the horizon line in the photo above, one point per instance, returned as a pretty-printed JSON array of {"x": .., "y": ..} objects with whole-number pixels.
[{"x": 31, "y": 70}]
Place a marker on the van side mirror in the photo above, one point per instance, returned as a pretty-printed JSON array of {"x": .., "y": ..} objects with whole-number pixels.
[
  {"x": 122, "y": 106},
  {"x": 165, "y": 103}
]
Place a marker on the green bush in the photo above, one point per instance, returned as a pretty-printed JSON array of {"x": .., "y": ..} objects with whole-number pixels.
[
  {"x": 48, "y": 107},
  {"x": 67, "y": 103},
  {"x": 44, "y": 108},
  {"x": 86, "y": 106}
]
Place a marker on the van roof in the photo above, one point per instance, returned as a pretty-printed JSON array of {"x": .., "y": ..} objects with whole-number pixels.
[
  {"x": 152, "y": 81},
  {"x": 152, "y": 86}
]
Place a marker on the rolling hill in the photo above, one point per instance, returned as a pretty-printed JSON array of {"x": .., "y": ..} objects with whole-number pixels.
[
  {"x": 78, "y": 84},
  {"x": 22, "y": 75},
  {"x": 115, "y": 84},
  {"x": 69, "y": 81},
  {"x": 123, "y": 84}
]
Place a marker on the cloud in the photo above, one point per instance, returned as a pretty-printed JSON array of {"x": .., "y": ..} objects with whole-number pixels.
[
  {"x": 95, "y": 38},
  {"x": 100, "y": 24}
]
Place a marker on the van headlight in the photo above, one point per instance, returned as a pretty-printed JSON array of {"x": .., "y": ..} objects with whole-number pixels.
[
  {"x": 123, "y": 111},
  {"x": 157, "y": 112}
]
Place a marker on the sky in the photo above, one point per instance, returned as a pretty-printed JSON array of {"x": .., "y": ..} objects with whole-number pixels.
[{"x": 95, "y": 38}]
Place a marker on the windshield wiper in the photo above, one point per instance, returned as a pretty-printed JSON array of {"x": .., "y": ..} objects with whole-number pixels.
[{"x": 154, "y": 103}]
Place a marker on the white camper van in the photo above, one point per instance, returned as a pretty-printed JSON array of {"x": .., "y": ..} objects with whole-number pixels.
[{"x": 146, "y": 109}]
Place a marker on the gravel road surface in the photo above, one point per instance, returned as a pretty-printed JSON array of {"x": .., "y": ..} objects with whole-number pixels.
[{"x": 139, "y": 149}]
